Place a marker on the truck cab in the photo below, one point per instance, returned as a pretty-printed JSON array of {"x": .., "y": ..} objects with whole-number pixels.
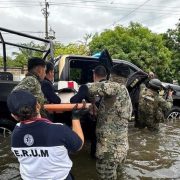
[{"x": 78, "y": 70}]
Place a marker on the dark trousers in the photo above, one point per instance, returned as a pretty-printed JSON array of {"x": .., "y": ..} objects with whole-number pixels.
[{"x": 70, "y": 177}]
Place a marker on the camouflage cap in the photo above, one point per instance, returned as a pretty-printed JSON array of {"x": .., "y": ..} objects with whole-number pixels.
[{"x": 35, "y": 61}]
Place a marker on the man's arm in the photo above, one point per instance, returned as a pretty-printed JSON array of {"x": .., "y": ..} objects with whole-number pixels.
[
  {"x": 83, "y": 93},
  {"x": 31, "y": 84},
  {"x": 166, "y": 105},
  {"x": 76, "y": 127},
  {"x": 103, "y": 88},
  {"x": 49, "y": 93}
]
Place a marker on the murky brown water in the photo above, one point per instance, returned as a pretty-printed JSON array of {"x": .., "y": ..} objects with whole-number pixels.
[{"x": 151, "y": 156}]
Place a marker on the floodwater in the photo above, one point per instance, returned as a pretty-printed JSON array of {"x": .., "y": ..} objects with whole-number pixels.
[{"x": 151, "y": 156}]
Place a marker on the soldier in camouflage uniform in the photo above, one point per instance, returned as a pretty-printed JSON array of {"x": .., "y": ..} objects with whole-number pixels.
[
  {"x": 36, "y": 73},
  {"x": 112, "y": 125},
  {"x": 152, "y": 106}
]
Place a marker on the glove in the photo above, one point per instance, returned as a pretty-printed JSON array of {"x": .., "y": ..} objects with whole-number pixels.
[{"x": 78, "y": 113}]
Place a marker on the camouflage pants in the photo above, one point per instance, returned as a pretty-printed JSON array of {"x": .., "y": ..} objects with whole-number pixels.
[
  {"x": 152, "y": 126},
  {"x": 108, "y": 169},
  {"x": 148, "y": 120}
]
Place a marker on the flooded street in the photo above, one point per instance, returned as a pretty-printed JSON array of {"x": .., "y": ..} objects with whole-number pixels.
[{"x": 151, "y": 156}]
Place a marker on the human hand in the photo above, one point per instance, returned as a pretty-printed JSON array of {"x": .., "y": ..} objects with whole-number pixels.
[
  {"x": 170, "y": 93},
  {"x": 78, "y": 113}
]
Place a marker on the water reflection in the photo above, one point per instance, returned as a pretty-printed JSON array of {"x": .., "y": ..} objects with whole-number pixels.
[
  {"x": 151, "y": 156},
  {"x": 154, "y": 155}
]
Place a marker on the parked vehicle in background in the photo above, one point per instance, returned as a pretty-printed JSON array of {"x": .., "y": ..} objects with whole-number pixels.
[{"x": 174, "y": 113}]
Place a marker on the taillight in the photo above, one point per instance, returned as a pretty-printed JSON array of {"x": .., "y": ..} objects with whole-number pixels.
[{"x": 70, "y": 84}]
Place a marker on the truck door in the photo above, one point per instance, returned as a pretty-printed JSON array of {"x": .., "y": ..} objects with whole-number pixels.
[{"x": 105, "y": 59}]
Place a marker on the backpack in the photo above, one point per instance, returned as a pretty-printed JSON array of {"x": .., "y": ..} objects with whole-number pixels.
[
  {"x": 133, "y": 86},
  {"x": 149, "y": 104}
]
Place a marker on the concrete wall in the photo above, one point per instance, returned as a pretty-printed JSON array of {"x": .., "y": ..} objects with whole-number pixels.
[{"x": 18, "y": 72}]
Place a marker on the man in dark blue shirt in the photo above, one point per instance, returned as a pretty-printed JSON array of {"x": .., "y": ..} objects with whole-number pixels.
[
  {"x": 47, "y": 86},
  {"x": 99, "y": 75}
]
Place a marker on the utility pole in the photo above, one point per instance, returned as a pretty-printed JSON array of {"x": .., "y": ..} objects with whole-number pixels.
[{"x": 46, "y": 14}]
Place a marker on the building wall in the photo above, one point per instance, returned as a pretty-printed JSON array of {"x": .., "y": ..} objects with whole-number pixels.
[{"x": 18, "y": 72}]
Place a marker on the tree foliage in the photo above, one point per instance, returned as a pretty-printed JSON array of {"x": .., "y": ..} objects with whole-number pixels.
[
  {"x": 137, "y": 44},
  {"x": 10, "y": 62},
  {"x": 172, "y": 41},
  {"x": 78, "y": 49},
  {"x": 159, "y": 53},
  {"x": 23, "y": 55}
]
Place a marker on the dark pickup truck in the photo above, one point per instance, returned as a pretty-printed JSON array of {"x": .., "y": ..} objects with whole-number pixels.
[{"x": 174, "y": 113}]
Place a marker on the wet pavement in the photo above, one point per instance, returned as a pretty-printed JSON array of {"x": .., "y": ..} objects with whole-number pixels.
[{"x": 151, "y": 156}]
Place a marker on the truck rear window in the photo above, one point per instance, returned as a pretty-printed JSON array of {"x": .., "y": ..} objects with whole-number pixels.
[{"x": 81, "y": 70}]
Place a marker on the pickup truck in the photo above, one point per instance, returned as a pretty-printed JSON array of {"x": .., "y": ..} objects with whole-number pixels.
[
  {"x": 72, "y": 70},
  {"x": 174, "y": 113},
  {"x": 68, "y": 68}
]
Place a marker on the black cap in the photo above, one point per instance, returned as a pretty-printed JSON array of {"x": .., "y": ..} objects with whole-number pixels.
[
  {"x": 120, "y": 69},
  {"x": 20, "y": 98},
  {"x": 35, "y": 61}
]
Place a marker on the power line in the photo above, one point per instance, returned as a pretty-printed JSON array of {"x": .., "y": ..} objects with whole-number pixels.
[
  {"x": 124, "y": 9},
  {"x": 83, "y": 2},
  {"x": 80, "y": 5},
  {"x": 141, "y": 5}
]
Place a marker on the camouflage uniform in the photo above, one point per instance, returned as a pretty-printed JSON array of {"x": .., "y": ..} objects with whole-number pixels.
[
  {"x": 152, "y": 108},
  {"x": 32, "y": 83},
  {"x": 112, "y": 126}
]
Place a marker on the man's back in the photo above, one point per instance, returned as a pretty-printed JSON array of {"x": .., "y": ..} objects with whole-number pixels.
[
  {"x": 44, "y": 155},
  {"x": 32, "y": 84},
  {"x": 152, "y": 107},
  {"x": 114, "y": 112}
]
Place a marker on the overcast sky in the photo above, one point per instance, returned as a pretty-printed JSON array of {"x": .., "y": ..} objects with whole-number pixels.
[{"x": 72, "y": 19}]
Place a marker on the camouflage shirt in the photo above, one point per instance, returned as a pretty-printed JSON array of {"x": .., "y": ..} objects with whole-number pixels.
[
  {"x": 32, "y": 83},
  {"x": 152, "y": 107},
  {"x": 112, "y": 122}
]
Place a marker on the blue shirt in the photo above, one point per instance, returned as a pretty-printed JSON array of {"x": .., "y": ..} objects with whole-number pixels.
[{"x": 48, "y": 91}]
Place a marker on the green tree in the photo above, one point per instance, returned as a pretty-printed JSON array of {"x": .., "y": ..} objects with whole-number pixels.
[
  {"x": 9, "y": 60},
  {"x": 79, "y": 49},
  {"x": 22, "y": 56},
  {"x": 172, "y": 41},
  {"x": 137, "y": 44}
]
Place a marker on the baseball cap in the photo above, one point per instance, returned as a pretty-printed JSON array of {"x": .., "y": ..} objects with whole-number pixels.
[
  {"x": 20, "y": 98},
  {"x": 120, "y": 70},
  {"x": 35, "y": 61}
]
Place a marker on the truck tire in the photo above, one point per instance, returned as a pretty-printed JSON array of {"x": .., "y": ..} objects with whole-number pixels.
[
  {"x": 174, "y": 114},
  {"x": 6, "y": 127}
]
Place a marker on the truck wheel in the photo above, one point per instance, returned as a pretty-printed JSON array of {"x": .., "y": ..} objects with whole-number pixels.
[
  {"x": 174, "y": 114},
  {"x": 6, "y": 127}
]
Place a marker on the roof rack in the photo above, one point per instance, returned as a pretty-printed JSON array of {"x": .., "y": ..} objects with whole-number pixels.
[{"x": 48, "y": 51}]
